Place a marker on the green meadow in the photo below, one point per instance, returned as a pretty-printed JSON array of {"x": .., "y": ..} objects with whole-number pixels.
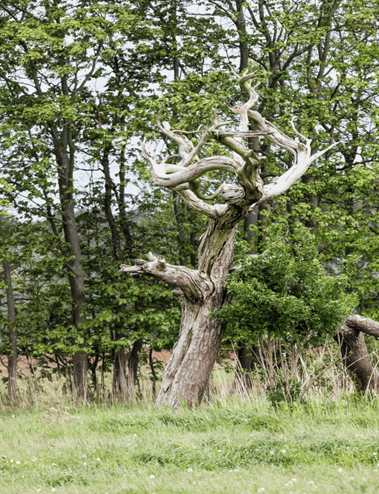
[{"x": 228, "y": 446}]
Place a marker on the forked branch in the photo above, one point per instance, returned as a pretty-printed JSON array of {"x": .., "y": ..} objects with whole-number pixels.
[{"x": 186, "y": 175}]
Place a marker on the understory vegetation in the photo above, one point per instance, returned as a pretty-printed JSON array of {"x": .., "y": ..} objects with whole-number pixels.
[{"x": 229, "y": 445}]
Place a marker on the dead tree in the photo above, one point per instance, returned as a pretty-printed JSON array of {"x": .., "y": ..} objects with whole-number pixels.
[
  {"x": 203, "y": 291},
  {"x": 356, "y": 359}
]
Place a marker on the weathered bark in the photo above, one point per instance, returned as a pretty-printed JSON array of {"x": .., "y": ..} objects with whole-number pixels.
[
  {"x": 12, "y": 357},
  {"x": 356, "y": 359},
  {"x": 188, "y": 371},
  {"x": 183, "y": 260},
  {"x": 203, "y": 291}
]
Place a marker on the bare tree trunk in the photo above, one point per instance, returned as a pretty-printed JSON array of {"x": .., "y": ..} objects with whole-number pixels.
[
  {"x": 119, "y": 375},
  {"x": 12, "y": 358},
  {"x": 153, "y": 373},
  {"x": 133, "y": 366},
  {"x": 64, "y": 152},
  {"x": 357, "y": 362},
  {"x": 243, "y": 380},
  {"x": 93, "y": 369},
  {"x": 189, "y": 368}
]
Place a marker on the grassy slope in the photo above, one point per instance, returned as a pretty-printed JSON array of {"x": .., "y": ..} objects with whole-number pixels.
[{"x": 232, "y": 447}]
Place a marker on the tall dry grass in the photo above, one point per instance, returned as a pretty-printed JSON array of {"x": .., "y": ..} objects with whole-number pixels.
[{"x": 283, "y": 374}]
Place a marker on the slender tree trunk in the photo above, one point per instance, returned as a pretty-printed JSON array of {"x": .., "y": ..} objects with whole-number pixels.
[
  {"x": 133, "y": 366},
  {"x": 153, "y": 373},
  {"x": 242, "y": 378},
  {"x": 119, "y": 375},
  {"x": 93, "y": 369},
  {"x": 12, "y": 358},
  {"x": 75, "y": 270}
]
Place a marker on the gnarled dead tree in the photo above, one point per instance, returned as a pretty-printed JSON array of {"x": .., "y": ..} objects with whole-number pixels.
[{"x": 203, "y": 291}]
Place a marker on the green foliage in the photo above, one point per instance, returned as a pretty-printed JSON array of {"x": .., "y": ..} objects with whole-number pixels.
[
  {"x": 285, "y": 293},
  {"x": 103, "y": 71}
]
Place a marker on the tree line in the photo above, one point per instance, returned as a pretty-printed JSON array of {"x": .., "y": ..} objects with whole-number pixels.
[{"x": 81, "y": 87}]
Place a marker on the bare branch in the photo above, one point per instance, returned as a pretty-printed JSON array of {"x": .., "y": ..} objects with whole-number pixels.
[
  {"x": 184, "y": 176},
  {"x": 199, "y": 205},
  {"x": 169, "y": 175},
  {"x": 301, "y": 152},
  {"x": 195, "y": 285},
  {"x": 364, "y": 324}
]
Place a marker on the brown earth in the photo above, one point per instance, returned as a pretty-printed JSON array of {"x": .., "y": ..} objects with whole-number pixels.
[{"x": 23, "y": 364}]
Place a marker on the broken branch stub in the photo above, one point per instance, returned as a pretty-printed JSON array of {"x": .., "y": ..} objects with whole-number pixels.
[{"x": 194, "y": 284}]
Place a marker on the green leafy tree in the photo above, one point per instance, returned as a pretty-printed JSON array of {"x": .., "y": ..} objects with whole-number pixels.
[{"x": 284, "y": 299}]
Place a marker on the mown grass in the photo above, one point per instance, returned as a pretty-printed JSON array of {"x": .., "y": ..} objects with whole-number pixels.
[{"x": 231, "y": 446}]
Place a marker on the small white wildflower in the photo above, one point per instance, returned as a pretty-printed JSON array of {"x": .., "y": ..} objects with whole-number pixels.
[
  {"x": 11, "y": 461},
  {"x": 54, "y": 464},
  {"x": 261, "y": 489},
  {"x": 351, "y": 478},
  {"x": 283, "y": 451},
  {"x": 18, "y": 462},
  {"x": 134, "y": 435},
  {"x": 219, "y": 450},
  {"x": 311, "y": 482},
  {"x": 286, "y": 485},
  {"x": 34, "y": 459},
  {"x": 190, "y": 470},
  {"x": 39, "y": 490},
  {"x": 340, "y": 470},
  {"x": 235, "y": 470},
  {"x": 98, "y": 459},
  {"x": 12, "y": 416},
  {"x": 84, "y": 456},
  {"x": 152, "y": 476},
  {"x": 53, "y": 489},
  {"x": 364, "y": 480},
  {"x": 294, "y": 480},
  {"x": 375, "y": 454},
  {"x": 84, "y": 463},
  {"x": 271, "y": 452},
  {"x": 230, "y": 471}
]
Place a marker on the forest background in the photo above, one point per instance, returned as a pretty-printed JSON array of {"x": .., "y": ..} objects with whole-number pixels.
[{"x": 81, "y": 85}]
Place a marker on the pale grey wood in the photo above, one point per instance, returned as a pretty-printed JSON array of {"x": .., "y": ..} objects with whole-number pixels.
[{"x": 203, "y": 291}]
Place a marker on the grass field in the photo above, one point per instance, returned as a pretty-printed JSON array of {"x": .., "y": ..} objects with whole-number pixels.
[{"x": 229, "y": 446}]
